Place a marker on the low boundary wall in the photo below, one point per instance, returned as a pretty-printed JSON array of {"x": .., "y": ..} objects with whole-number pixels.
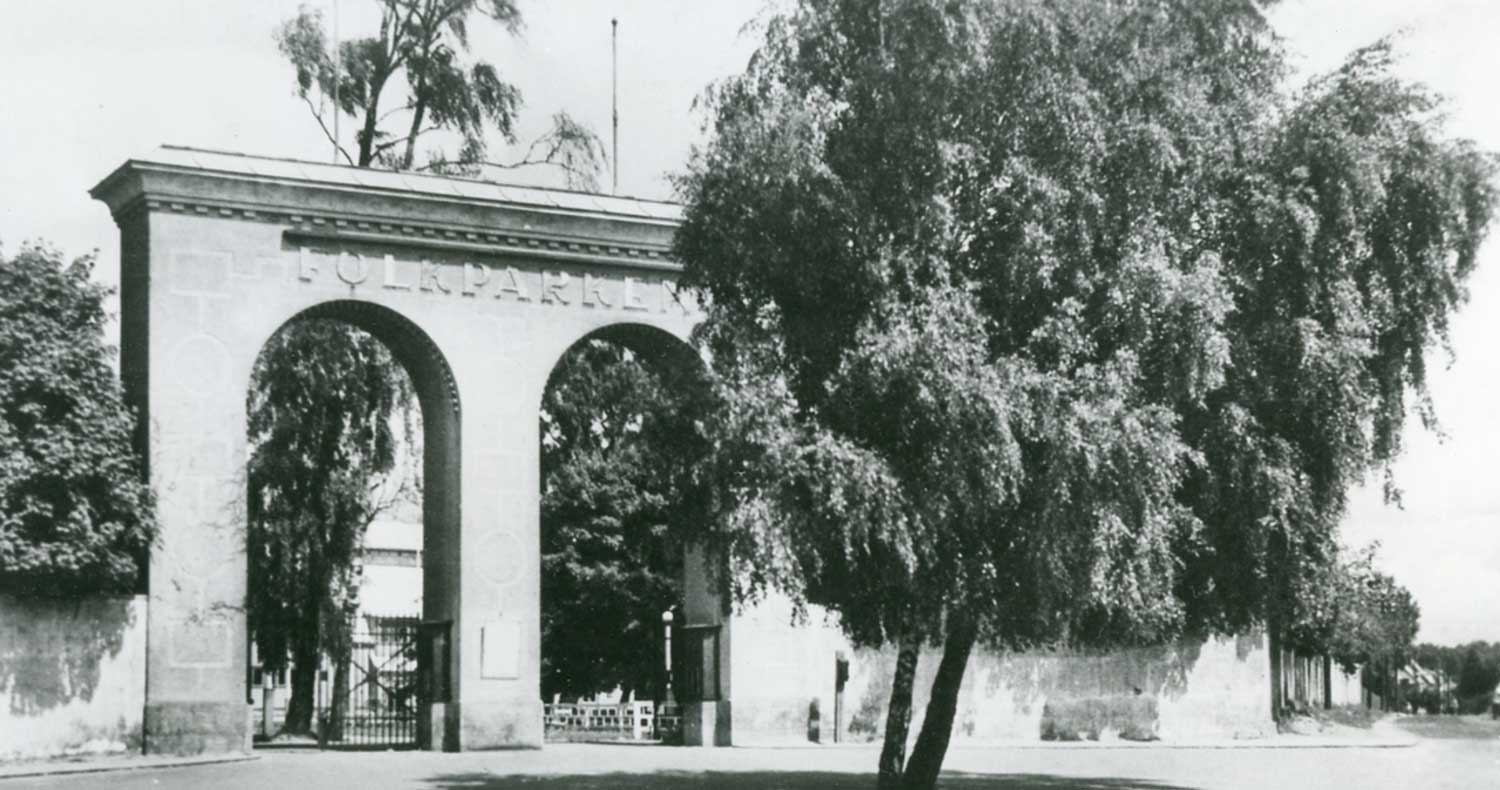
[
  {"x": 1192, "y": 690},
  {"x": 72, "y": 675}
]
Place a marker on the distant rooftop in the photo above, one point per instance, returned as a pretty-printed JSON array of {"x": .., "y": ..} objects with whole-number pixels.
[{"x": 281, "y": 169}]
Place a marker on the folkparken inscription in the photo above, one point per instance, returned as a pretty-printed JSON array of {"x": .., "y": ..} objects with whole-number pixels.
[{"x": 483, "y": 281}]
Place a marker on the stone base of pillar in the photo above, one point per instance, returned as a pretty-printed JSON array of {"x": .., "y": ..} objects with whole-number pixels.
[
  {"x": 252, "y": 719},
  {"x": 437, "y": 729},
  {"x": 182, "y": 728},
  {"x": 513, "y": 724},
  {"x": 706, "y": 724}
]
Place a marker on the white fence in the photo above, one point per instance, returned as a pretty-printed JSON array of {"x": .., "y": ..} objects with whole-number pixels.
[{"x": 612, "y": 721}]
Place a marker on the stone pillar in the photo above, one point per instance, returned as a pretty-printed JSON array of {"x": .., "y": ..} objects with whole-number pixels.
[
  {"x": 195, "y": 379},
  {"x": 497, "y": 636}
]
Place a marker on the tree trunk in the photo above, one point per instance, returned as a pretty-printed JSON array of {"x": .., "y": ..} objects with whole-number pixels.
[
  {"x": 411, "y": 137},
  {"x": 937, "y": 723},
  {"x": 1327, "y": 682},
  {"x": 372, "y": 118},
  {"x": 340, "y": 702},
  {"x": 299, "y": 709},
  {"x": 1273, "y": 643},
  {"x": 898, "y": 716},
  {"x": 367, "y": 138}
]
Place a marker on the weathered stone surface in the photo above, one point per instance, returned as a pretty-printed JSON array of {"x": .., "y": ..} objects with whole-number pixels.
[
  {"x": 510, "y": 724},
  {"x": 708, "y": 723},
  {"x": 195, "y": 727},
  {"x": 72, "y": 675}
]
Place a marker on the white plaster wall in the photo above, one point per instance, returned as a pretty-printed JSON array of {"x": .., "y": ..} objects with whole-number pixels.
[
  {"x": 395, "y": 534},
  {"x": 1216, "y": 689},
  {"x": 781, "y": 671},
  {"x": 1346, "y": 687},
  {"x": 391, "y": 591},
  {"x": 72, "y": 676},
  {"x": 1226, "y": 693}
]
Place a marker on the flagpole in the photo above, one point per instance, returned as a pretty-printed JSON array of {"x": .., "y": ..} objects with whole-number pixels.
[
  {"x": 614, "y": 104},
  {"x": 338, "y": 67}
]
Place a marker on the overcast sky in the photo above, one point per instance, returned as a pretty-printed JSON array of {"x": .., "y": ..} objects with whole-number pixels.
[{"x": 88, "y": 84}]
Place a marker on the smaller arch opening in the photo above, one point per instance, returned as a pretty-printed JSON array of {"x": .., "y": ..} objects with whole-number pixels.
[{"x": 619, "y": 438}]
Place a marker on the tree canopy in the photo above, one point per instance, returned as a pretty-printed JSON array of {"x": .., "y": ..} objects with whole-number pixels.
[
  {"x": 76, "y": 515},
  {"x": 1351, "y": 244},
  {"x": 1478, "y": 675},
  {"x": 1059, "y": 322},
  {"x": 411, "y": 81}
]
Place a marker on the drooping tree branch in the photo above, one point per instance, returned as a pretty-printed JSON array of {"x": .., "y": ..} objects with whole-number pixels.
[{"x": 328, "y": 133}]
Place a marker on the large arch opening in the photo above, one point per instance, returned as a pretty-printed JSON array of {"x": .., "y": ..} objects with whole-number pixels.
[
  {"x": 620, "y": 497},
  {"x": 353, "y": 518}
]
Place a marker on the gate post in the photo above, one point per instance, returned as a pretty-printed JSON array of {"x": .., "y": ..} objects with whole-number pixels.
[
  {"x": 706, "y": 712},
  {"x": 433, "y": 687}
]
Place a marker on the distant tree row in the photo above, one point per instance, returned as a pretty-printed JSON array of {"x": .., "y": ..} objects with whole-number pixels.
[
  {"x": 1354, "y": 614},
  {"x": 1474, "y": 669}
]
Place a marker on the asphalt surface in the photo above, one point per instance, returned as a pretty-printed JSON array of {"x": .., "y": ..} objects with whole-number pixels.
[{"x": 1462, "y": 753}]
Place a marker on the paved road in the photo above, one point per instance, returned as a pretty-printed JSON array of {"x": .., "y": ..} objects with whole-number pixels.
[{"x": 1464, "y": 754}]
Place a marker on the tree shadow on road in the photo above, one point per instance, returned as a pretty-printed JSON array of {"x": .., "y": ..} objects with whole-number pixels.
[{"x": 777, "y": 780}]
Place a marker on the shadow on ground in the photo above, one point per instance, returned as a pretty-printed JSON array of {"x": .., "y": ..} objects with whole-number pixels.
[
  {"x": 779, "y": 780},
  {"x": 1451, "y": 727}
]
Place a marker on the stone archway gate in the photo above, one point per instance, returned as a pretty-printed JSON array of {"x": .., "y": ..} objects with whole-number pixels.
[{"x": 478, "y": 289}]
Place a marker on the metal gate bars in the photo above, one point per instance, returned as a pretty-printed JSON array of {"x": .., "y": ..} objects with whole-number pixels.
[{"x": 393, "y": 672}]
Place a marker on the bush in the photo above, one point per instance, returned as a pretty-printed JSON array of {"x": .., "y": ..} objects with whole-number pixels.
[
  {"x": 75, "y": 514},
  {"x": 1427, "y": 700},
  {"x": 1128, "y": 717}
]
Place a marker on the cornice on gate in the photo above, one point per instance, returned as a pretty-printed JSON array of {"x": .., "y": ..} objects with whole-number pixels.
[{"x": 333, "y": 202}]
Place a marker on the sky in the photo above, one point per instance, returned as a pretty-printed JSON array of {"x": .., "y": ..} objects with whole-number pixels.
[{"x": 90, "y": 83}]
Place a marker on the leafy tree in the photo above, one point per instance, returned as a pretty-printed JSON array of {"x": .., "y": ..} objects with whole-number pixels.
[
  {"x": 412, "y": 74},
  {"x": 1356, "y": 615},
  {"x": 617, "y": 449},
  {"x": 1474, "y": 668},
  {"x": 1350, "y": 240},
  {"x": 333, "y": 434},
  {"x": 1478, "y": 675},
  {"x": 1444, "y": 660},
  {"x": 969, "y": 440},
  {"x": 1056, "y": 322},
  {"x": 1394, "y": 619},
  {"x": 75, "y": 512}
]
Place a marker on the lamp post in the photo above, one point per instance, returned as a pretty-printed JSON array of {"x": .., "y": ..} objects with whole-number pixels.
[{"x": 666, "y": 627}]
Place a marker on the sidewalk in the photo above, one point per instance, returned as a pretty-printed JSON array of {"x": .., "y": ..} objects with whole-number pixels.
[
  {"x": 1381, "y": 734},
  {"x": 89, "y": 764},
  {"x": 1376, "y": 740}
]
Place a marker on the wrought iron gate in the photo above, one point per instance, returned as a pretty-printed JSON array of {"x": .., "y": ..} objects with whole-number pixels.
[{"x": 381, "y": 692}]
